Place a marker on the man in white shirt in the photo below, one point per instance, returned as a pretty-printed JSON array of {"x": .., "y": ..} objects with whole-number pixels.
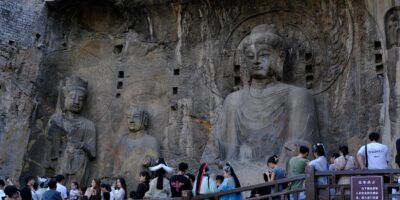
[
  {"x": 376, "y": 154},
  {"x": 2, "y": 185},
  {"x": 60, "y": 187}
]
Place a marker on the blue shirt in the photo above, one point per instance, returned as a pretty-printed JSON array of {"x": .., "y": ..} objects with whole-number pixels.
[
  {"x": 279, "y": 173},
  {"x": 51, "y": 195},
  {"x": 229, "y": 184}
]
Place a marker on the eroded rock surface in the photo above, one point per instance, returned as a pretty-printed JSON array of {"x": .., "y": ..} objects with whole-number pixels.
[{"x": 178, "y": 59}]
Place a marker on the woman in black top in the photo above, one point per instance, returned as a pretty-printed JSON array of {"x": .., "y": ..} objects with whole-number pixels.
[{"x": 143, "y": 186}]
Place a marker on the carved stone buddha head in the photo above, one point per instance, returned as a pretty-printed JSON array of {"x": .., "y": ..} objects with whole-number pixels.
[
  {"x": 75, "y": 92},
  {"x": 138, "y": 119},
  {"x": 263, "y": 53}
]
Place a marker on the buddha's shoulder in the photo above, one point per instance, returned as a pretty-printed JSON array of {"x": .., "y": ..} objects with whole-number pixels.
[{"x": 234, "y": 97}]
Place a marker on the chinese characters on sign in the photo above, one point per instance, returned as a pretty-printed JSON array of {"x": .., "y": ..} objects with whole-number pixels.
[{"x": 367, "y": 187}]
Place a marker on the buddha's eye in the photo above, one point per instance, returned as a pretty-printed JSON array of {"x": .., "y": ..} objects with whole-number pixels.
[
  {"x": 249, "y": 54},
  {"x": 263, "y": 53}
]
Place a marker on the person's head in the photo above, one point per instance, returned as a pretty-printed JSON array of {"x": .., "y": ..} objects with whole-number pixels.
[
  {"x": 144, "y": 177},
  {"x": 263, "y": 52},
  {"x": 334, "y": 156},
  {"x": 105, "y": 187},
  {"x": 344, "y": 151},
  {"x": 95, "y": 183},
  {"x": 229, "y": 172},
  {"x": 52, "y": 184},
  {"x": 374, "y": 137},
  {"x": 30, "y": 181},
  {"x": 12, "y": 192},
  {"x": 272, "y": 161},
  {"x": 219, "y": 179},
  {"x": 2, "y": 184},
  {"x": 60, "y": 178},
  {"x": 138, "y": 119},
  {"x": 183, "y": 167},
  {"x": 318, "y": 150},
  {"x": 74, "y": 186},
  {"x": 75, "y": 91},
  {"x": 303, "y": 151}
]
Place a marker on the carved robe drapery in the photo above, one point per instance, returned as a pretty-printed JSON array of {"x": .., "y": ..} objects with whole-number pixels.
[
  {"x": 255, "y": 125},
  {"x": 73, "y": 146},
  {"x": 132, "y": 153}
]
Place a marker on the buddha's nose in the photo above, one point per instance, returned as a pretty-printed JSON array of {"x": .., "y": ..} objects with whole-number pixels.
[
  {"x": 256, "y": 60},
  {"x": 76, "y": 101}
]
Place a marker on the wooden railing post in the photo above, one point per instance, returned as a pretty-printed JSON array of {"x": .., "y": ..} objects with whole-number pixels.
[
  {"x": 310, "y": 183},
  {"x": 186, "y": 194}
]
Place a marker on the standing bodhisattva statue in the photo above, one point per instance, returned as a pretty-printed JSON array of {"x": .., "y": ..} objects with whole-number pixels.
[
  {"x": 264, "y": 116},
  {"x": 72, "y": 136}
]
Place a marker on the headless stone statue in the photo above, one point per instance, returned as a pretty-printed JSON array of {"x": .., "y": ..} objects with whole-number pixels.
[
  {"x": 136, "y": 149},
  {"x": 72, "y": 136},
  {"x": 264, "y": 116}
]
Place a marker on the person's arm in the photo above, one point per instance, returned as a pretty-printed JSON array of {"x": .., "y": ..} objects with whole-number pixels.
[
  {"x": 88, "y": 192},
  {"x": 64, "y": 194},
  {"x": 339, "y": 164},
  {"x": 360, "y": 159},
  {"x": 272, "y": 178},
  {"x": 188, "y": 185},
  {"x": 223, "y": 186},
  {"x": 194, "y": 188},
  {"x": 387, "y": 155}
]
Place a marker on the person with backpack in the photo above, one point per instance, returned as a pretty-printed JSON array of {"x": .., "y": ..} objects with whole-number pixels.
[{"x": 373, "y": 155}]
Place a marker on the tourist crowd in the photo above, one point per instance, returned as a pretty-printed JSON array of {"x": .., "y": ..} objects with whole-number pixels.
[{"x": 373, "y": 155}]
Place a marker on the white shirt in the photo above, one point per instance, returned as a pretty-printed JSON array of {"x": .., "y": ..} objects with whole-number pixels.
[
  {"x": 117, "y": 194},
  {"x": 34, "y": 195},
  {"x": 63, "y": 190},
  {"x": 2, "y": 194},
  {"x": 377, "y": 155},
  {"x": 320, "y": 164}
]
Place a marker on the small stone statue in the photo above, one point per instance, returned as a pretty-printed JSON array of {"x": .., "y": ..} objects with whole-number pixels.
[
  {"x": 136, "y": 150},
  {"x": 393, "y": 29},
  {"x": 264, "y": 116},
  {"x": 72, "y": 136}
]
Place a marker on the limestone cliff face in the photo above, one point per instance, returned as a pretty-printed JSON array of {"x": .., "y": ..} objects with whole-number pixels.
[{"x": 178, "y": 58}]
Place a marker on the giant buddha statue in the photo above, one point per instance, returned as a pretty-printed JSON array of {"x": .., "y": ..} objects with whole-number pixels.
[{"x": 266, "y": 115}]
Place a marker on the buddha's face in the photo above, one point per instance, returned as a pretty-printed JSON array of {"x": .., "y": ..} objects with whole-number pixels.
[
  {"x": 261, "y": 60},
  {"x": 135, "y": 122},
  {"x": 74, "y": 100}
]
